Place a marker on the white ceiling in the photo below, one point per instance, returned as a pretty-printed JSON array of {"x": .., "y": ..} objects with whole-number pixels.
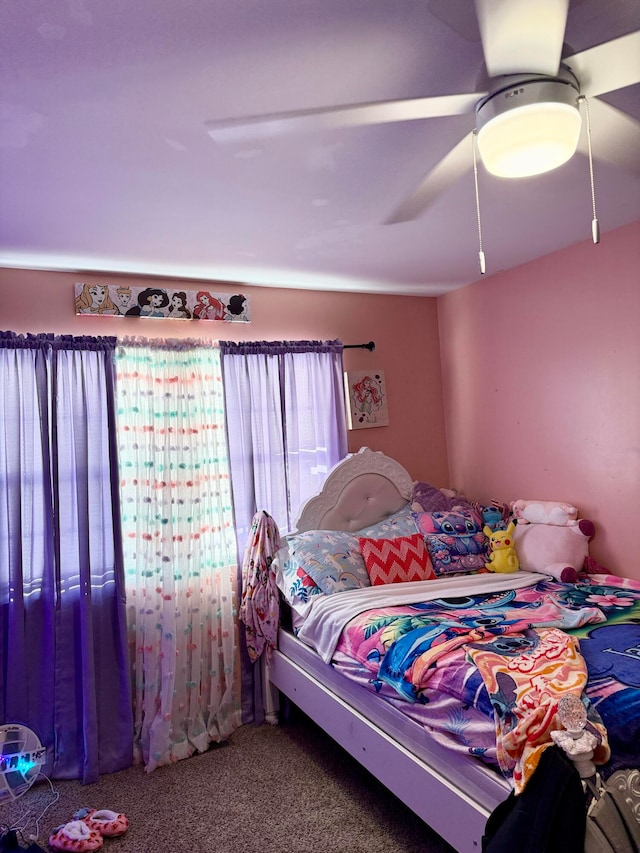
[{"x": 106, "y": 165}]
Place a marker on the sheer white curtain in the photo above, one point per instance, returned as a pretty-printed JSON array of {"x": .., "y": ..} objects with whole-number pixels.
[{"x": 179, "y": 547}]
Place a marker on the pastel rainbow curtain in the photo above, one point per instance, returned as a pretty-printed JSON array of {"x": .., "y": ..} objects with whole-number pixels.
[{"x": 179, "y": 547}]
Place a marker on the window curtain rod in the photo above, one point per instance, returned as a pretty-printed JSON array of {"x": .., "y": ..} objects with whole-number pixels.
[{"x": 370, "y": 346}]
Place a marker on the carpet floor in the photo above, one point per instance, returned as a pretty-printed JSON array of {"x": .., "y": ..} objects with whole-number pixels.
[{"x": 269, "y": 789}]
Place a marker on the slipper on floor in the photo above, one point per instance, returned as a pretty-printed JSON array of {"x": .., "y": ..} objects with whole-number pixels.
[
  {"x": 75, "y": 836},
  {"x": 107, "y": 823}
]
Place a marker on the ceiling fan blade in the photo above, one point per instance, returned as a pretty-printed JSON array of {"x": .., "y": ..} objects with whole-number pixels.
[
  {"x": 452, "y": 166},
  {"x": 620, "y": 134},
  {"x": 608, "y": 66},
  {"x": 355, "y": 115},
  {"x": 522, "y": 36}
]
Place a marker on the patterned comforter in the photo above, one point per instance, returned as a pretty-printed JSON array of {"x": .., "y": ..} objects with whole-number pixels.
[{"x": 507, "y": 645}]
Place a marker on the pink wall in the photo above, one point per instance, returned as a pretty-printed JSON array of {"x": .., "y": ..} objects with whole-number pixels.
[
  {"x": 405, "y": 331},
  {"x": 541, "y": 371}
]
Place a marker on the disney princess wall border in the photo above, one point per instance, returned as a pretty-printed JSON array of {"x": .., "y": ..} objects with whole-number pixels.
[{"x": 121, "y": 300}]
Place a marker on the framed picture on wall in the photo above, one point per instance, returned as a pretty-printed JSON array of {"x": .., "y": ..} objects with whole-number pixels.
[
  {"x": 366, "y": 399},
  {"x": 126, "y": 301}
]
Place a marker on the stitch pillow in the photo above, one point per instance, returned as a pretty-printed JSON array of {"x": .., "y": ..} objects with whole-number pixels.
[
  {"x": 396, "y": 560},
  {"x": 454, "y": 539},
  {"x": 332, "y": 558}
]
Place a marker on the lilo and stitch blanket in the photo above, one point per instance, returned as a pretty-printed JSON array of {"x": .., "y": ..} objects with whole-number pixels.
[
  {"x": 612, "y": 654},
  {"x": 328, "y": 615},
  {"x": 406, "y": 642}
]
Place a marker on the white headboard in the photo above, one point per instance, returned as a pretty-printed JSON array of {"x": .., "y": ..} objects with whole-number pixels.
[{"x": 361, "y": 490}]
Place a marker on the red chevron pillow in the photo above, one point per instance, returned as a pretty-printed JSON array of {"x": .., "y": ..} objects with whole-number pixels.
[{"x": 396, "y": 560}]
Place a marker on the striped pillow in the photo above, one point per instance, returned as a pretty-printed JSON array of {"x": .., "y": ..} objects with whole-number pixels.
[{"x": 396, "y": 560}]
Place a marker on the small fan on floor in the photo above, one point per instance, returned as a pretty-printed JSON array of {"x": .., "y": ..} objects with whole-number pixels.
[{"x": 21, "y": 757}]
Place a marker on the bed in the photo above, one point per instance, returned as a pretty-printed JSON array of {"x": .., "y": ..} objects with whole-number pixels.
[{"x": 444, "y": 771}]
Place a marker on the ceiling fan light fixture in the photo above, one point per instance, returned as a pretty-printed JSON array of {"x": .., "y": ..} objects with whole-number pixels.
[{"x": 529, "y": 129}]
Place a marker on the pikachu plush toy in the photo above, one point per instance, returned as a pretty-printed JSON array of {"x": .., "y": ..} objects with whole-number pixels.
[{"x": 502, "y": 554}]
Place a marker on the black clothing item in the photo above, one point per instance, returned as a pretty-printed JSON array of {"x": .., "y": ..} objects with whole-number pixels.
[{"x": 549, "y": 816}]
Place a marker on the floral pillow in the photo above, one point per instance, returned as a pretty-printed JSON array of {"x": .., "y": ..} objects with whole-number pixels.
[
  {"x": 297, "y": 588},
  {"x": 296, "y": 584},
  {"x": 396, "y": 560},
  {"x": 332, "y": 558},
  {"x": 454, "y": 539}
]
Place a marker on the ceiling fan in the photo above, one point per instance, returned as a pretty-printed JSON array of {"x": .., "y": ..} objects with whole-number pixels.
[{"x": 527, "y": 122}]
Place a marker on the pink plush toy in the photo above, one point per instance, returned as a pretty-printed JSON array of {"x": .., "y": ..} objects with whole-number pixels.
[
  {"x": 553, "y": 549},
  {"x": 544, "y": 512}
]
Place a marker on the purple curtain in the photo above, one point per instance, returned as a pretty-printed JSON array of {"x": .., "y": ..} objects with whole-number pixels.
[
  {"x": 286, "y": 422},
  {"x": 64, "y": 670}
]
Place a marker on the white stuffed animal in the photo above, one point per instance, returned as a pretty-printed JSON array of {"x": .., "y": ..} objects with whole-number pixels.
[{"x": 544, "y": 512}]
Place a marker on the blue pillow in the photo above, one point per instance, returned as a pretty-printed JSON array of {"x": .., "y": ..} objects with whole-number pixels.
[
  {"x": 332, "y": 558},
  {"x": 401, "y": 523}
]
